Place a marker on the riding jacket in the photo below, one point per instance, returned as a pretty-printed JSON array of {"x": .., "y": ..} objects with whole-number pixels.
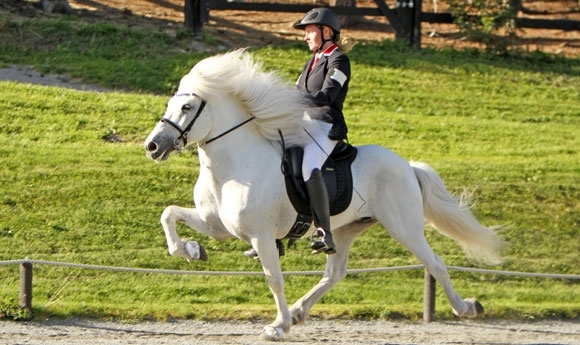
[{"x": 326, "y": 86}]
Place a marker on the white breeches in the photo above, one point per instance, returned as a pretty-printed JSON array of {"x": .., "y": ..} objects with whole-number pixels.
[{"x": 318, "y": 148}]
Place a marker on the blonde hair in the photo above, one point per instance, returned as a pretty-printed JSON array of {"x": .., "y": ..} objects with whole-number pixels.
[{"x": 345, "y": 44}]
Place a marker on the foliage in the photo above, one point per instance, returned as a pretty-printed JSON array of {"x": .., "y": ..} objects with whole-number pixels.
[
  {"x": 504, "y": 128},
  {"x": 481, "y": 21},
  {"x": 10, "y": 311}
]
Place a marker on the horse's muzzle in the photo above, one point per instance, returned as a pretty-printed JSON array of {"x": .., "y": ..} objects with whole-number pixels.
[
  {"x": 153, "y": 151},
  {"x": 151, "y": 147}
]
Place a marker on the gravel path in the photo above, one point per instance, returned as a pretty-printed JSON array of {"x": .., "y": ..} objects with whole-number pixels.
[
  {"x": 94, "y": 332},
  {"x": 27, "y": 74}
]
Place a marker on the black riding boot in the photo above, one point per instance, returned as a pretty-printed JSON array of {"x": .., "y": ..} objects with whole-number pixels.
[{"x": 321, "y": 211}]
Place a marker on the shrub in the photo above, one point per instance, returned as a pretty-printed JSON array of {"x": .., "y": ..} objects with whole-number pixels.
[{"x": 491, "y": 22}]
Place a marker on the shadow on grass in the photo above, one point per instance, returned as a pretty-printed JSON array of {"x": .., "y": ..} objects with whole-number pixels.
[{"x": 155, "y": 61}]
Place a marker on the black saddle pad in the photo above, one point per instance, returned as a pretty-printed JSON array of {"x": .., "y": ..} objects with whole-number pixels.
[{"x": 336, "y": 173}]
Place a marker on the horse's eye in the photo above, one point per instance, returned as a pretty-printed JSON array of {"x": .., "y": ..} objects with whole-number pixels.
[{"x": 186, "y": 107}]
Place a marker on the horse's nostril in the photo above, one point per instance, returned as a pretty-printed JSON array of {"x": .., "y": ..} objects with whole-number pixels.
[{"x": 152, "y": 147}]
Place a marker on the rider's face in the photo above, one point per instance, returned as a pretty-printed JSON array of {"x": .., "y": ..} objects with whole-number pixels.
[{"x": 313, "y": 37}]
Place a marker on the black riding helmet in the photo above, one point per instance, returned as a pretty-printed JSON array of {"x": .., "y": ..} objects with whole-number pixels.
[{"x": 320, "y": 16}]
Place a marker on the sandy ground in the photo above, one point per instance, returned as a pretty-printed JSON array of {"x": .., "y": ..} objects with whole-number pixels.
[{"x": 82, "y": 331}]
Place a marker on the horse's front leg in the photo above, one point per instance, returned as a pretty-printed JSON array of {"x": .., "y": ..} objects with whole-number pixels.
[
  {"x": 268, "y": 254},
  {"x": 190, "y": 250}
]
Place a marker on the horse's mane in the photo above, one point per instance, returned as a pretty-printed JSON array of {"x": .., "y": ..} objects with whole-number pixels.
[{"x": 275, "y": 104}]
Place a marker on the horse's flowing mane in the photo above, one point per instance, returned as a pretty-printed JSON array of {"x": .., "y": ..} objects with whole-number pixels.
[{"x": 274, "y": 103}]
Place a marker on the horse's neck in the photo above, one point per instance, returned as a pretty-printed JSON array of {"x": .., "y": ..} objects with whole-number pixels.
[{"x": 241, "y": 154}]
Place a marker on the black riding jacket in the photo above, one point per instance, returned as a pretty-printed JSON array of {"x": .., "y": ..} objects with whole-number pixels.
[{"x": 326, "y": 85}]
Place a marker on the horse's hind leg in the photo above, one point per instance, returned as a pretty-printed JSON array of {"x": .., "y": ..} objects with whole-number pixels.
[
  {"x": 413, "y": 238},
  {"x": 401, "y": 212},
  {"x": 336, "y": 269}
]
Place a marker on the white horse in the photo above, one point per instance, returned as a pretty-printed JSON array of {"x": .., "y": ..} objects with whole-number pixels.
[{"x": 233, "y": 111}]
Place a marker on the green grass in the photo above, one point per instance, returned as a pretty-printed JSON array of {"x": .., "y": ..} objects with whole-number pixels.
[{"x": 505, "y": 128}]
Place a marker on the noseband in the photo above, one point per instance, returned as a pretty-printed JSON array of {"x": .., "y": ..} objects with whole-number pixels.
[{"x": 184, "y": 132}]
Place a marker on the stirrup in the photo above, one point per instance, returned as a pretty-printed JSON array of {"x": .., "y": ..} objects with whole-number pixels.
[{"x": 322, "y": 243}]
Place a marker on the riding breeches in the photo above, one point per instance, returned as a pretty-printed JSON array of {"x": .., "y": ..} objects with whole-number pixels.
[{"x": 317, "y": 149}]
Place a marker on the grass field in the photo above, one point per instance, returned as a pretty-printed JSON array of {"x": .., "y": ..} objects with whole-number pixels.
[{"x": 77, "y": 187}]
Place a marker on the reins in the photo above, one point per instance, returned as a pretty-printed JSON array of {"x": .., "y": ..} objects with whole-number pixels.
[{"x": 228, "y": 131}]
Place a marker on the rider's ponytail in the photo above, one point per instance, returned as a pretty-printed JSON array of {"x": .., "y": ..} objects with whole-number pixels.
[{"x": 345, "y": 44}]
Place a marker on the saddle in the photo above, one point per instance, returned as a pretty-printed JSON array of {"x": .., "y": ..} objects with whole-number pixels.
[{"x": 337, "y": 176}]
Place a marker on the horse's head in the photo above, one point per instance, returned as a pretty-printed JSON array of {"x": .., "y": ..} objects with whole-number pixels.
[
  {"x": 237, "y": 92},
  {"x": 182, "y": 123}
]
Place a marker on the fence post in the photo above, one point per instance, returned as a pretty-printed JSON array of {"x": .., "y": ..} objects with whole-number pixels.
[
  {"x": 429, "y": 298},
  {"x": 409, "y": 13},
  {"x": 418, "y": 9},
  {"x": 193, "y": 16},
  {"x": 25, "y": 298}
]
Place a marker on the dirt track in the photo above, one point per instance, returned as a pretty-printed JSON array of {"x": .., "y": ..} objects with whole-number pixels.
[{"x": 81, "y": 331}]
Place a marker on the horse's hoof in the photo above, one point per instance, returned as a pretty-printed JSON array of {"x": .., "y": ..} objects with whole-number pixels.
[
  {"x": 251, "y": 253},
  {"x": 195, "y": 251},
  {"x": 477, "y": 306},
  {"x": 202, "y": 253},
  {"x": 297, "y": 320},
  {"x": 298, "y": 316},
  {"x": 474, "y": 308},
  {"x": 273, "y": 333}
]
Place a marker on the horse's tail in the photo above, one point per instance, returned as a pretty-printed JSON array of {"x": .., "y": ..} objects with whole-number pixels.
[{"x": 452, "y": 217}]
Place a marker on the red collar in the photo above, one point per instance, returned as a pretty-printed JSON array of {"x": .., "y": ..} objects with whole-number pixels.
[{"x": 328, "y": 50}]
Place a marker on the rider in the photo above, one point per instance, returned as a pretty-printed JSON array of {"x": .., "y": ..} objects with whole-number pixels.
[{"x": 324, "y": 81}]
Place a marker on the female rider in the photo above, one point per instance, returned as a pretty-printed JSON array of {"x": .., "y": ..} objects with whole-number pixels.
[{"x": 324, "y": 81}]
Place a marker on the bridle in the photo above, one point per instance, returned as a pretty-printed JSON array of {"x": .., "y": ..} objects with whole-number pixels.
[{"x": 184, "y": 132}]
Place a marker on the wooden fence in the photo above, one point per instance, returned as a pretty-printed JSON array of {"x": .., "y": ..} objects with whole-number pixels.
[
  {"x": 405, "y": 18},
  {"x": 429, "y": 294}
]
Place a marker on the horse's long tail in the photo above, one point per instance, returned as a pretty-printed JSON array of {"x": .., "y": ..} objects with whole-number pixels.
[{"x": 453, "y": 218}]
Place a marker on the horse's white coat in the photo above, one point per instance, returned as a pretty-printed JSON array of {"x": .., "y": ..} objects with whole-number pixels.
[{"x": 240, "y": 191}]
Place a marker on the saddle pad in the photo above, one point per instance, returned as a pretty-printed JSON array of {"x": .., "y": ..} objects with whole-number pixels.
[{"x": 337, "y": 167}]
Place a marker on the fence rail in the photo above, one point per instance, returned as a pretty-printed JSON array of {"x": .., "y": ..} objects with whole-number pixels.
[
  {"x": 405, "y": 18},
  {"x": 427, "y": 17},
  {"x": 26, "y": 274}
]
